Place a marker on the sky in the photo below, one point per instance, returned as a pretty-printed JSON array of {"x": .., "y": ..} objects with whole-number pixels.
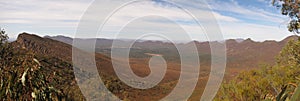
[{"x": 255, "y": 19}]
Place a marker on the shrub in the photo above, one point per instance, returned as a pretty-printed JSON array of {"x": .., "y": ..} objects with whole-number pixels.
[{"x": 269, "y": 83}]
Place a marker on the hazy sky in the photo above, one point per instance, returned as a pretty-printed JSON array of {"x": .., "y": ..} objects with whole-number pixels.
[{"x": 255, "y": 19}]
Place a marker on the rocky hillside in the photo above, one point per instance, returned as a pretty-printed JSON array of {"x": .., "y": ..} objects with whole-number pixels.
[
  {"x": 43, "y": 70},
  {"x": 26, "y": 74}
]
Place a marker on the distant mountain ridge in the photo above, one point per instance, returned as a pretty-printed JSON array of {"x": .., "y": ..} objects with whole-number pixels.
[
  {"x": 240, "y": 53},
  {"x": 69, "y": 40}
]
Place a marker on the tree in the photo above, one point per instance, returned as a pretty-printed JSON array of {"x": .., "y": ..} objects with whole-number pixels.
[
  {"x": 290, "y": 8},
  {"x": 3, "y": 36},
  {"x": 4, "y": 47}
]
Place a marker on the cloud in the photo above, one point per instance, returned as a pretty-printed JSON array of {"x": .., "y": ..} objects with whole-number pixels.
[
  {"x": 246, "y": 12},
  {"x": 39, "y": 10},
  {"x": 225, "y": 18},
  {"x": 62, "y": 17},
  {"x": 41, "y": 15},
  {"x": 153, "y": 11}
]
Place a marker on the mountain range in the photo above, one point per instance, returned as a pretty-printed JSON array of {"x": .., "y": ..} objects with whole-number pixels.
[
  {"x": 54, "y": 56},
  {"x": 241, "y": 54}
]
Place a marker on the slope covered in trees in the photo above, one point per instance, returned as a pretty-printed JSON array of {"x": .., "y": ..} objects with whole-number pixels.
[{"x": 278, "y": 82}]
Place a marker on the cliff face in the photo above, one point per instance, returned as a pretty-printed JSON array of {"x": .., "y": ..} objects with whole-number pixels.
[
  {"x": 52, "y": 48},
  {"x": 45, "y": 46}
]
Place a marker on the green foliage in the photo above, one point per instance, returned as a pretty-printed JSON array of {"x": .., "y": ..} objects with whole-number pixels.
[
  {"x": 282, "y": 96},
  {"x": 296, "y": 95},
  {"x": 290, "y": 55},
  {"x": 291, "y": 9},
  {"x": 269, "y": 83}
]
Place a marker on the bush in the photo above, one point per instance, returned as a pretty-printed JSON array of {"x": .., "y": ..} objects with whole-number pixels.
[{"x": 269, "y": 83}]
